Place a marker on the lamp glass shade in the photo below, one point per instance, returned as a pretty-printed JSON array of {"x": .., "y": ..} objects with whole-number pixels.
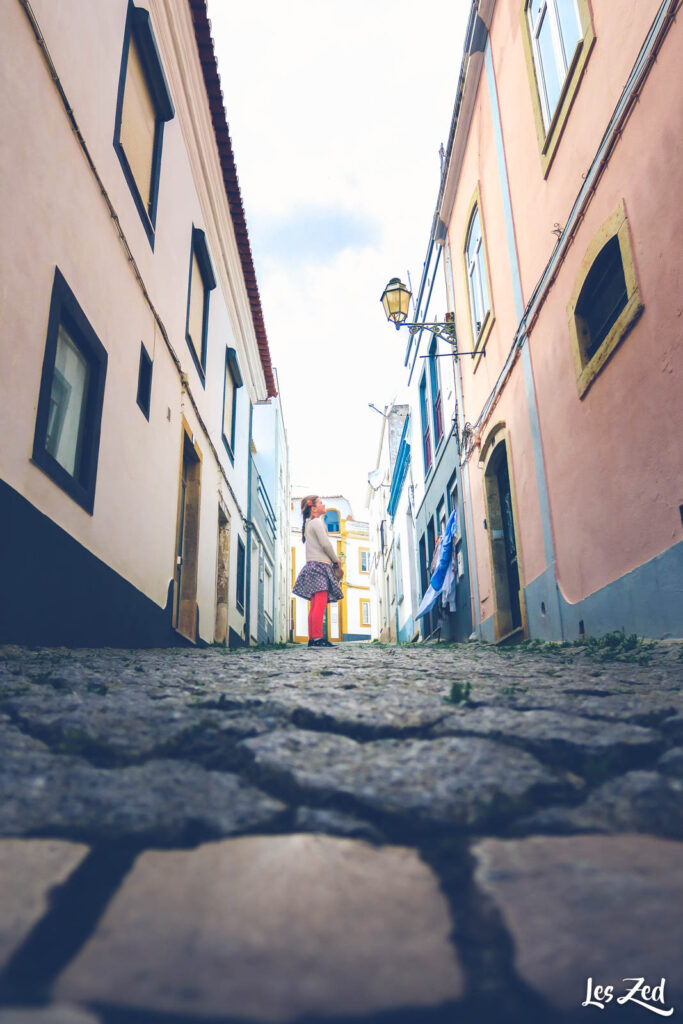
[{"x": 395, "y": 299}]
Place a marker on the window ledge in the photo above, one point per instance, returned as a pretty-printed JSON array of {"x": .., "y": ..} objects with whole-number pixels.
[
  {"x": 549, "y": 138},
  {"x": 195, "y": 359},
  {"x": 623, "y": 325},
  {"x": 482, "y": 338},
  {"x": 228, "y": 448}
]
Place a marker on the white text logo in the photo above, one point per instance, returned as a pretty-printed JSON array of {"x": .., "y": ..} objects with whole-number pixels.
[{"x": 640, "y": 994}]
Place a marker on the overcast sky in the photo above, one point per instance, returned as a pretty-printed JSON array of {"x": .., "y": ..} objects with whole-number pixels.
[{"x": 336, "y": 114}]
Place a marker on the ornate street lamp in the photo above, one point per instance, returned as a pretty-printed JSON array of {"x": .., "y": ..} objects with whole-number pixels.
[{"x": 396, "y": 299}]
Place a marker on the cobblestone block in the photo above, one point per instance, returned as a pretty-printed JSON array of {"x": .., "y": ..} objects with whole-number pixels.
[
  {"x": 579, "y": 744},
  {"x": 635, "y": 802},
  {"x": 270, "y": 929},
  {"x": 336, "y": 823},
  {"x": 454, "y": 781},
  {"x": 29, "y": 869},
  {"x": 47, "y": 1015},
  {"x": 606, "y": 908},
  {"x": 673, "y": 727},
  {"x": 671, "y": 763},
  {"x": 110, "y": 730},
  {"x": 161, "y": 801}
]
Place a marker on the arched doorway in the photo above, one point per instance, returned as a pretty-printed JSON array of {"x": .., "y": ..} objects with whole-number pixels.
[{"x": 503, "y": 538}]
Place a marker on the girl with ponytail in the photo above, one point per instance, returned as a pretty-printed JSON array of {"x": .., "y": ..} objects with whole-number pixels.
[{"x": 317, "y": 582}]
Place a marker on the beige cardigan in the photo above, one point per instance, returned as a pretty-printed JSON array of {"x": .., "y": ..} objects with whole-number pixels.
[{"x": 318, "y": 545}]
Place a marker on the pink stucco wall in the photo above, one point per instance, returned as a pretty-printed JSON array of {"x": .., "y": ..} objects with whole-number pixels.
[
  {"x": 540, "y": 204},
  {"x": 612, "y": 460},
  {"x": 614, "y": 457}
]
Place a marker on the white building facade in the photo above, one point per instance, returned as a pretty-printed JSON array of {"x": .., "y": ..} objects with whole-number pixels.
[
  {"x": 133, "y": 345},
  {"x": 392, "y": 530}
]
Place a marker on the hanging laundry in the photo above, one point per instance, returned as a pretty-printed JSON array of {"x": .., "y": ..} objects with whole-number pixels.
[{"x": 436, "y": 584}]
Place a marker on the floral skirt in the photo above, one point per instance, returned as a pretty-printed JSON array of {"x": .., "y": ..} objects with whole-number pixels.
[{"x": 314, "y": 577}]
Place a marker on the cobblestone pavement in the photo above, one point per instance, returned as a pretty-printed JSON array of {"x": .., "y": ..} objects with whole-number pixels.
[{"x": 374, "y": 834}]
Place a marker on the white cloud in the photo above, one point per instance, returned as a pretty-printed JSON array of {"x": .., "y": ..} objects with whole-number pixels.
[{"x": 336, "y": 114}]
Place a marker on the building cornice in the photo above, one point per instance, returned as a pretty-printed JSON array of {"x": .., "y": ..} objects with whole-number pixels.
[
  {"x": 214, "y": 95},
  {"x": 476, "y": 35}
]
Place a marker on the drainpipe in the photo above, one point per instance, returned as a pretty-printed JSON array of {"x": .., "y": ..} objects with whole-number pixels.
[{"x": 247, "y": 596}]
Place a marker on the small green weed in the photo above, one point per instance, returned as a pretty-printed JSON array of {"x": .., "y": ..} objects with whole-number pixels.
[
  {"x": 252, "y": 649},
  {"x": 618, "y": 646},
  {"x": 615, "y": 646},
  {"x": 460, "y": 693}
]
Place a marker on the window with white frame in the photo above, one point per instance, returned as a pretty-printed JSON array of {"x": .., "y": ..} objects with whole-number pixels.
[
  {"x": 364, "y": 612},
  {"x": 555, "y": 29},
  {"x": 364, "y": 560},
  {"x": 398, "y": 571},
  {"x": 268, "y": 592},
  {"x": 476, "y": 274}
]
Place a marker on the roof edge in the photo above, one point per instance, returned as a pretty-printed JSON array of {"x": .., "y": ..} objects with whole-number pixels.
[{"x": 214, "y": 95}]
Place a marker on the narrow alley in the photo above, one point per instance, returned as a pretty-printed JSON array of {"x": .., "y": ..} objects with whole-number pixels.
[{"x": 395, "y": 835}]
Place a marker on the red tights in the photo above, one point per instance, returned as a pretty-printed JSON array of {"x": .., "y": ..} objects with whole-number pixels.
[{"x": 316, "y": 613}]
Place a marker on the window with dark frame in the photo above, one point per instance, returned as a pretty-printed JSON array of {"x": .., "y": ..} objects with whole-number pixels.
[
  {"x": 437, "y": 403},
  {"x": 441, "y": 517},
  {"x": 241, "y": 564},
  {"x": 143, "y": 106},
  {"x": 452, "y": 492},
  {"x": 233, "y": 381},
  {"x": 602, "y": 298},
  {"x": 426, "y": 437},
  {"x": 68, "y": 421},
  {"x": 201, "y": 283},
  {"x": 144, "y": 396},
  {"x": 424, "y": 577}
]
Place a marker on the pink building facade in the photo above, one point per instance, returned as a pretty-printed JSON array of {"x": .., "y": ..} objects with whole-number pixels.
[{"x": 563, "y": 257}]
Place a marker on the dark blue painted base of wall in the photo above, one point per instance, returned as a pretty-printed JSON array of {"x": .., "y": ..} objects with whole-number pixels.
[
  {"x": 647, "y": 601},
  {"x": 54, "y": 592},
  {"x": 355, "y": 636}
]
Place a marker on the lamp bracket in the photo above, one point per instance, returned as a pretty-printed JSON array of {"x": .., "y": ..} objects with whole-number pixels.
[
  {"x": 454, "y": 355},
  {"x": 440, "y": 330}
]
